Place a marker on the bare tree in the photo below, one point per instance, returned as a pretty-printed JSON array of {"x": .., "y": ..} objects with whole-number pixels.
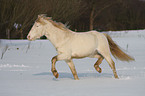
[
  {"x": 18, "y": 16},
  {"x": 96, "y": 7},
  {"x": 66, "y": 10},
  {"x": 21, "y": 12}
]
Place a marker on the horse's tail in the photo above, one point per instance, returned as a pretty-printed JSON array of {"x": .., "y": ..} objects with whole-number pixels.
[{"x": 116, "y": 50}]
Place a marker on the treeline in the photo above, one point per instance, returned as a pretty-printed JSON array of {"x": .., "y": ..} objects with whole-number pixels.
[{"x": 18, "y": 16}]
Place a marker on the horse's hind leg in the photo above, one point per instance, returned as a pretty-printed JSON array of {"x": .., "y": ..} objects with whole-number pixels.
[
  {"x": 96, "y": 65},
  {"x": 112, "y": 65},
  {"x": 53, "y": 69},
  {"x": 104, "y": 50}
]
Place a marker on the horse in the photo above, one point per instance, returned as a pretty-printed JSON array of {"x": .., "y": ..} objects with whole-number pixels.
[{"x": 75, "y": 45}]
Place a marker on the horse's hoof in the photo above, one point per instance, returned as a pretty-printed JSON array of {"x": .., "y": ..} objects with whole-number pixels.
[
  {"x": 55, "y": 73},
  {"x": 116, "y": 77},
  {"x": 98, "y": 69},
  {"x": 76, "y": 78}
]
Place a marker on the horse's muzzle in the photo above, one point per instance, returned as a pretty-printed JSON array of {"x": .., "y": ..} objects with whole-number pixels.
[{"x": 29, "y": 38}]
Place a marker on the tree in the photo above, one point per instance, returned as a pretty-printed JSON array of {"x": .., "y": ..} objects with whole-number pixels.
[
  {"x": 96, "y": 7},
  {"x": 23, "y": 13},
  {"x": 66, "y": 11}
]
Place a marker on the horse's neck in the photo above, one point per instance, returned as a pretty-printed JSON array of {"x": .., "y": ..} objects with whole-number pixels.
[{"x": 57, "y": 36}]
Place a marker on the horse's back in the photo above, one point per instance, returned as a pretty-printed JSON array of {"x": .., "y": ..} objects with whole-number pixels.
[{"x": 85, "y": 38}]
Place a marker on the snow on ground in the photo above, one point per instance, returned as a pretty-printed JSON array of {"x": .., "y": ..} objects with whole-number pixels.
[{"x": 25, "y": 70}]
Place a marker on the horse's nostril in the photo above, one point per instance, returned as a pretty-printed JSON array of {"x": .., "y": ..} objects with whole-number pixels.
[{"x": 28, "y": 37}]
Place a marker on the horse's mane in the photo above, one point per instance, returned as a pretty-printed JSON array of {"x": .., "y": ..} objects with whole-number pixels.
[
  {"x": 56, "y": 24},
  {"x": 59, "y": 25}
]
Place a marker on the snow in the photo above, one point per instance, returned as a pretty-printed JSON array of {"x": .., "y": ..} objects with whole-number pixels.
[{"x": 25, "y": 70}]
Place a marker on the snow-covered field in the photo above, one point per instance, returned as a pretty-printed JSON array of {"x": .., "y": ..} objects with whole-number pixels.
[{"x": 25, "y": 70}]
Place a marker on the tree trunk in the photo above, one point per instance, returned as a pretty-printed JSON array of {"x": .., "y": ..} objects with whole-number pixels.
[
  {"x": 21, "y": 32},
  {"x": 92, "y": 19},
  {"x": 8, "y": 33}
]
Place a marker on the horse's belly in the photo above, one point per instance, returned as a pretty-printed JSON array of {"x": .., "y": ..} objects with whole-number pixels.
[
  {"x": 83, "y": 47},
  {"x": 82, "y": 54}
]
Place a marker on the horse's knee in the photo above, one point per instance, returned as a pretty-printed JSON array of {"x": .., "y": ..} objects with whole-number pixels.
[{"x": 54, "y": 59}]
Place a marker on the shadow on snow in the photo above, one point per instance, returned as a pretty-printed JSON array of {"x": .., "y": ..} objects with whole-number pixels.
[{"x": 80, "y": 75}]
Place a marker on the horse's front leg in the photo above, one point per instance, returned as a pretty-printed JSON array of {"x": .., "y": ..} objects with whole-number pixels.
[
  {"x": 53, "y": 69},
  {"x": 72, "y": 68}
]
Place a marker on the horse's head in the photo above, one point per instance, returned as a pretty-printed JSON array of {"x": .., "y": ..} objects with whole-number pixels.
[{"x": 38, "y": 28}]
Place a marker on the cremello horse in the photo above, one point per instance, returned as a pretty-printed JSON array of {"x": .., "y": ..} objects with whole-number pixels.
[{"x": 71, "y": 45}]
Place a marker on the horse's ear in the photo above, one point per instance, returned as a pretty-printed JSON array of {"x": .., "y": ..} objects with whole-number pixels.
[
  {"x": 48, "y": 18},
  {"x": 42, "y": 15}
]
